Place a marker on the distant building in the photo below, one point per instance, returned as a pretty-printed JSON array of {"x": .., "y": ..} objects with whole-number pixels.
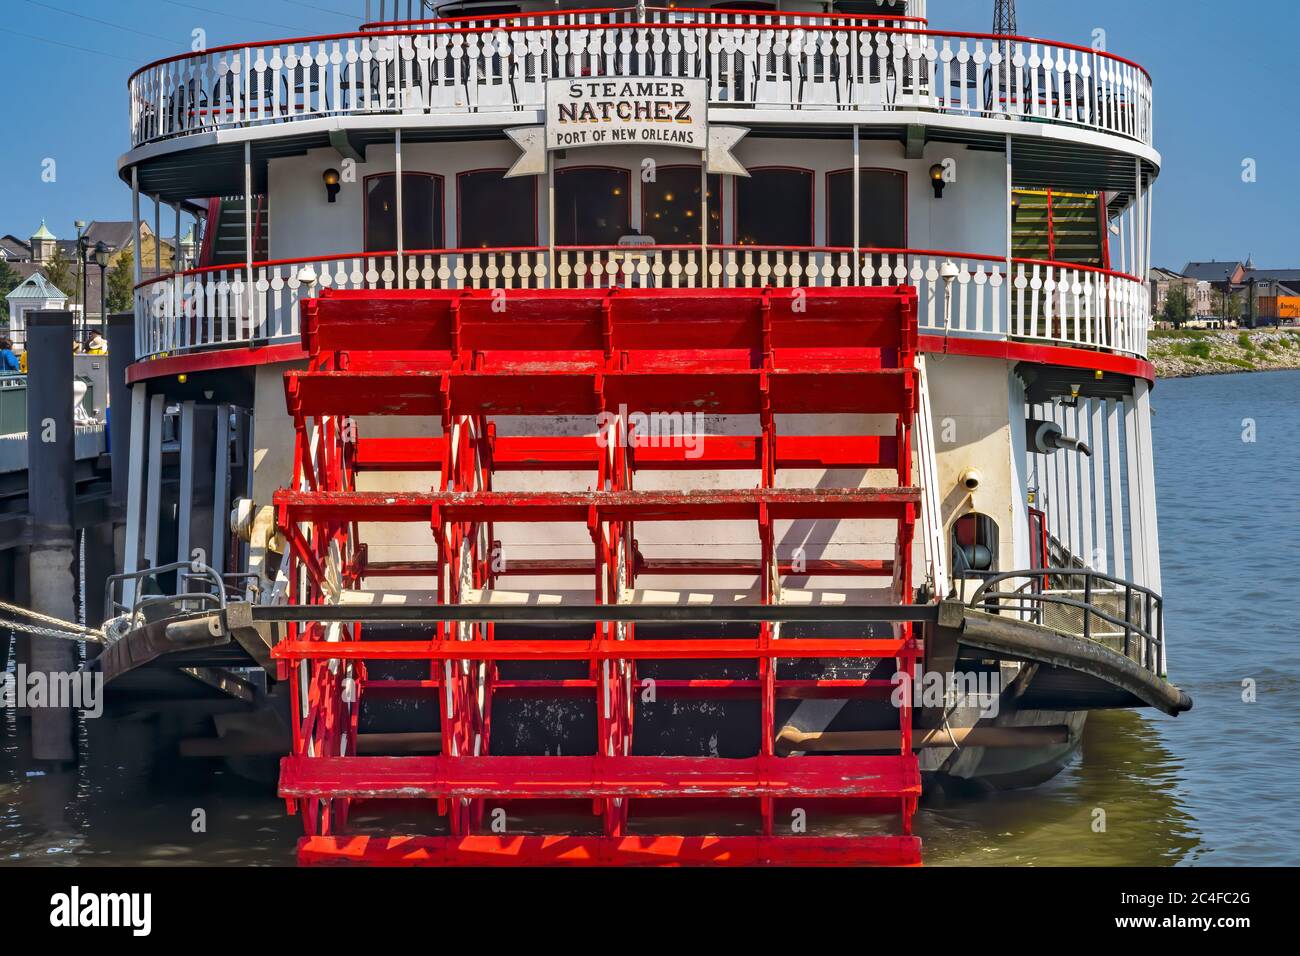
[
  {"x": 1220, "y": 275},
  {"x": 1228, "y": 279},
  {"x": 1274, "y": 296},
  {"x": 1198, "y": 293},
  {"x": 13, "y": 249},
  {"x": 29, "y": 258},
  {"x": 33, "y": 294}
]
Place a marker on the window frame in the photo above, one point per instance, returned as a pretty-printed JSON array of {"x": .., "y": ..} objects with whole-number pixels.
[
  {"x": 460, "y": 208},
  {"x": 872, "y": 169},
  {"x": 627, "y": 198},
  {"x": 722, "y": 188},
  {"x": 812, "y": 205},
  {"x": 441, "y": 188}
]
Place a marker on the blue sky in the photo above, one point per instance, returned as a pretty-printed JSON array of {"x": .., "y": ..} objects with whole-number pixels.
[{"x": 1222, "y": 94}]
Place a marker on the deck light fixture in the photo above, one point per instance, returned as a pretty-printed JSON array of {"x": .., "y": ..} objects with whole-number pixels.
[
  {"x": 332, "y": 187},
  {"x": 1015, "y": 207},
  {"x": 936, "y": 180}
]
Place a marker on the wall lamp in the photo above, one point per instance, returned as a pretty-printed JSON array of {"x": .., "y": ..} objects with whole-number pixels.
[
  {"x": 332, "y": 187},
  {"x": 1015, "y": 207},
  {"x": 936, "y": 180}
]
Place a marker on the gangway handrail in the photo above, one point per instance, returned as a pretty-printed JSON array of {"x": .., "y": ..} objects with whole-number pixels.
[
  {"x": 1146, "y": 628},
  {"x": 113, "y": 608}
]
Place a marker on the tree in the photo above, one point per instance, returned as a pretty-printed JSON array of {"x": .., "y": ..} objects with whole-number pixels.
[
  {"x": 121, "y": 285},
  {"x": 1227, "y": 306},
  {"x": 9, "y": 280},
  {"x": 1178, "y": 306},
  {"x": 61, "y": 273}
]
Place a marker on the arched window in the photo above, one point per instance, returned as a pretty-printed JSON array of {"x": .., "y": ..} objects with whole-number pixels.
[
  {"x": 493, "y": 212},
  {"x": 774, "y": 207},
  {"x": 422, "y": 212},
  {"x": 670, "y": 206},
  {"x": 974, "y": 546},
  {"x": 593, "y": 205},
  {"x": 882, "y": 208}
]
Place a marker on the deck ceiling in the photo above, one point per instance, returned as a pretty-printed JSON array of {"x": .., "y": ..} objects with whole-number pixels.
[{"x": 217, "y": 169}]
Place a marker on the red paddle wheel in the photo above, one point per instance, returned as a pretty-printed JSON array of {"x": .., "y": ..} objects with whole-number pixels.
[{"x": 474, "y": 362}]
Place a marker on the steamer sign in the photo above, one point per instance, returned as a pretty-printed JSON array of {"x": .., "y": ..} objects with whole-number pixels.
[{"x": 649, "y": 110}]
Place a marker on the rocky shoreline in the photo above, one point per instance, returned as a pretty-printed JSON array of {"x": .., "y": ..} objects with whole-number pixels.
[{"x": 1185, "y": 352}]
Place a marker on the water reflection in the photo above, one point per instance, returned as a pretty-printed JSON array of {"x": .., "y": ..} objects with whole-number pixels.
[
  {"x": 127, "y": 804},
  {"x": 1122, "y": 769}
]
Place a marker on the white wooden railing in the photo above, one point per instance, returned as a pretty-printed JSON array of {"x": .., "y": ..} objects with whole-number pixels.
[
  {"x": 927, "y": 467},
  {"x": 761, "y": 61},
  {"x": 957, "y": 294}
]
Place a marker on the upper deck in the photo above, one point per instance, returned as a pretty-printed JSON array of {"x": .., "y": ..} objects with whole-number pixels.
[{"x": 762, "y": 68}]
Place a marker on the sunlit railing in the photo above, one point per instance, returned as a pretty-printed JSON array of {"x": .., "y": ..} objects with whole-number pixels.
[
  {"x": 1087, "y": 604},
  {"x": 958, "y": 294},
  {"x": 759, "y": 61}
]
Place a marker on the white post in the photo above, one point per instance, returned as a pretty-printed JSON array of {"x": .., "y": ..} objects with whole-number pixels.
[
  {"x": 1087, "y": 498},
  {"x": 157, "y": 236},
  {"x": 1139, "y": 258},
  {"x": 138, "y": 266},
  {"x": 221, "y": 489},
  {"x": 153, "y": 489},
  {"x": 1064, "y": 499},
  {"x": 704, "y": 220},
  {"x": 1098, "y": 436},
  {"x": 185, "y": 503},
  {"x": 1010, "y": 238},
  {"x": 1142, "y": 406},
  {"x": 857, "y": 204},
  {"x": 1142, "y": 391},
  {"x": 248, "y": 233},
  {"x": 182, "y": 329},
  {"x": 135, "y": 487},
  {"x": 401, "y": 217},
  {"x": 1136, "y": 511},
  {"x": 550, "y": 216},
  {"x": 1117, "y": 502}
]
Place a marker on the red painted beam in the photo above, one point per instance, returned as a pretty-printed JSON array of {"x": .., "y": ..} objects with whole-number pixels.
[
  {"x": 709, "y": 453},
  {"x": 740, "y": 504},
  {"x": 561, "y": 389},
  {"x": 566, "y": 778},
  {"x": 694, "y": 649},
  {"x": 609, "y": 851}
]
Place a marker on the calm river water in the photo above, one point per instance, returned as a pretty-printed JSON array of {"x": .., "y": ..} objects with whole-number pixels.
[{"x": 1214, "y": 786}]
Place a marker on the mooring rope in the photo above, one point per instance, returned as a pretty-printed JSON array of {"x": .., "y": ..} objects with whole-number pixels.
[{"x": 54, "y": 626}]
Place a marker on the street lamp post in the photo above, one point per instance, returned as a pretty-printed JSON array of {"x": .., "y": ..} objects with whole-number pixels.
[
  {"x": 83, "y": 245},
  {"x": 102, "y": 253}
]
